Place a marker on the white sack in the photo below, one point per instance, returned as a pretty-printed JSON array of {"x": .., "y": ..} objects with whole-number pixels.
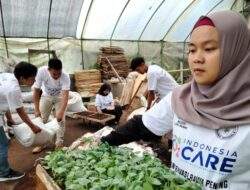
[
  {"x": 27, "y": 138},
  {"x": 75, "y": 103},
  {"x": 27, "y": 97}
]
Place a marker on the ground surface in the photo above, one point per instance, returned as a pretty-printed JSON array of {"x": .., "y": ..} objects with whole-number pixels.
[{"x": 22, "y": 159}]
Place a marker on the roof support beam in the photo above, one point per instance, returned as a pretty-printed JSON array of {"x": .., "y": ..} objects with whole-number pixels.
[
  {"x": 214, "y": 6},
  {"x": 176, "y": 20},
  {"x": 50, "y": 7},
  {"x": 206, "y": 14},
  {"x": 84, "y": 25},
  {"x": 113, "y": 31},
  {"x": 143, "y": 30},
  {"x": 233, "y": 4},
  {"x": 5, "y": 41}
]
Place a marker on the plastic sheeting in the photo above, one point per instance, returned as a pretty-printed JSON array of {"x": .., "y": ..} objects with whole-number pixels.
[
  {"x": 150, "y": 20},
  {"x": 166, "y": 54},
  {"x": 68, "y": 50},
  {"x": 154, "y": 29},
  {"x": 184, "y": 24},
  {"x": 29, "y": 18}
]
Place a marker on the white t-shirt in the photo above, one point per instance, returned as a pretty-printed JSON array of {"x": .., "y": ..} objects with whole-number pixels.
[
  {"x": 50, "y": 86},
  {"x": 218, "y": 159},
  {"x": 103, "y": 102},
  {"x": 160, "y": 81},
  {"x": 10, "y": 94}
]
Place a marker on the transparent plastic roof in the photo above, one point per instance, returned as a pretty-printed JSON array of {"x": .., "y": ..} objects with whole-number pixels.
[
  {"x": 138, "y": 20},
  {"x": 181, "y": 29},
  {"x": 64, "y": 18},
  {"x": 134, "y": 19}
]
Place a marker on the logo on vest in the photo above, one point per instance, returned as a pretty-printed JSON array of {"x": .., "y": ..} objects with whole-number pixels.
[
  {"x": 226, "y": 132},
  {"x": 206, "y": 156}
]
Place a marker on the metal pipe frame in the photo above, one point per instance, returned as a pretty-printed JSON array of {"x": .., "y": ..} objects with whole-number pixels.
[
  {"x": 143, "y": 30},
  {"x": 50, "y": 7},
  {"x": 176, "y": 20},
  {"x": 145, "y": 27},
  {"x": 233, "y": 4},
  {"x": 84, "y": 25},
  {"x": 5, "y": 41},
  {"x": 117, "y": 22}
]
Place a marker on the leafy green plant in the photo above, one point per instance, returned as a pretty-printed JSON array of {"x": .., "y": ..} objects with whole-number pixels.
[{"x": 112, "y": 168}]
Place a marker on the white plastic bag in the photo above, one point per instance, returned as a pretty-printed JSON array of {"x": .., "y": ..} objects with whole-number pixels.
[
  {"x": 138, "y": 111},
  {"x": 27, "y": 138},
  {"x": 27, "y": 97},
  {"x": 75, "y": 103}
]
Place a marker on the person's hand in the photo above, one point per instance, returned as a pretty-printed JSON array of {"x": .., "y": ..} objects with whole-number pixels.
[
  {"x": 35, "y": 129},
  {"x": 59, "y": 116},
  {"x": 10, "y": 122},
  {"x": 110, "y": 108},
  {"x": 38, "y": 114}
]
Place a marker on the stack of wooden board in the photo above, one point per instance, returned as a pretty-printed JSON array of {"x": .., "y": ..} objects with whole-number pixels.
[
  {"x": 117, "y": 58},
  {"x": 88, "y": 81}
]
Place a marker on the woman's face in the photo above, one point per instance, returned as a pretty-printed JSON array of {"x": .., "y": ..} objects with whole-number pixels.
[
  {"x": 106, "y": 92},
  {"x": 204, "y": 55}
]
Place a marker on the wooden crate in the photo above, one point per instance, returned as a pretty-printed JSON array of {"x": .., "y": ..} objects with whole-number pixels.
[
  {"x": 45, "y": 178},
  {"x": 96, "y": 117},
  {"x": 91, "y": 88},
  {"x": 85, "y": 77}
]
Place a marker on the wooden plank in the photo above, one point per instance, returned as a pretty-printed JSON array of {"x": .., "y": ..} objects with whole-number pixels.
[
  {"x": 44, "y": 177},
  {"x": 138, "y": 82},
  {"x": 117, "y": 75}
]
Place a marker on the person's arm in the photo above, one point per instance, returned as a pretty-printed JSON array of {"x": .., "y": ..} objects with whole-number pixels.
[
  {"x": 9, "y": 118},
  {"x": 112, "y": 104},
  {"x": 156, "y": 124},
  {"x": 64, "y": 103},
  {"x": 152, "y": 83},
  {"x": 21, "y": 112},
  {"x": 98, "y": 103},
  {"x": 150, "y": 99},
  {"x": 37, "y": 92},
  {"x": 36, "y": 99}
]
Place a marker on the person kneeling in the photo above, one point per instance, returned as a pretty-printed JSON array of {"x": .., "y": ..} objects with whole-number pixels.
[{"x": 105, "y": 103}]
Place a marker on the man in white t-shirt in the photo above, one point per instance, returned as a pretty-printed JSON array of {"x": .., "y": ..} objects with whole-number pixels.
[
  {"x": 11, "y": 99},
  {"x": 55, "y": 86},
  {"x": 160, "y": 82}
]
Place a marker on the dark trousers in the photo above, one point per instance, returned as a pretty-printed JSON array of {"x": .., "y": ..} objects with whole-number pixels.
[
  {"x": 4, "y": 165},
  {"x": 133, "y": 130},
  {"x": 117, "y": 112}
]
